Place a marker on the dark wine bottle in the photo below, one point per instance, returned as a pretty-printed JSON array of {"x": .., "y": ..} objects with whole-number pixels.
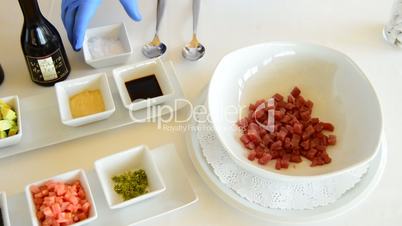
[
  {"x": 1, "y": 75},
  {"x": 42, "y": 46}
]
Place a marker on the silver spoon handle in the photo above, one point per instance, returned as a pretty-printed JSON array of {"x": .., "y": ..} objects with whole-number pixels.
[
  {"x": 160, "y": 10},
  {"x": 196, "y": 14}
]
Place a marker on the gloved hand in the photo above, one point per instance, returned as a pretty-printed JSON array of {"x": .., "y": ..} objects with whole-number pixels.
[{"x": 76, "y": 15}]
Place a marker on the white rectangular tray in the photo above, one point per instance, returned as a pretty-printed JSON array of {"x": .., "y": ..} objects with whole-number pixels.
[
  {"x": 178, "y": 194},
  {"x": 42, "y": 125}
]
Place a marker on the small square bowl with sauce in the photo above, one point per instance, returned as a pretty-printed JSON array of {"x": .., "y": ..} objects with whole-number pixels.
[
  {"x": 14, "y": 103},
  {"x": 130, "y": 160},
  {"x": 76, "y": 110},
  {"x": 144, "y": 84},
  {"x": 107, "y": 45},
  {"x": 67, "y": 177}
]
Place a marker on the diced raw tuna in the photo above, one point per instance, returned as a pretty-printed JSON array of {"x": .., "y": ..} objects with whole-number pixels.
[
  {"x": 295, "y": 92},
  {"x": 244, "y": 139},
  {"x": 331, "y": 140},
  {"x": 328, "y": 127},
  {"x": 296, "y": 134},
  {"x": 266, "y": 157}
]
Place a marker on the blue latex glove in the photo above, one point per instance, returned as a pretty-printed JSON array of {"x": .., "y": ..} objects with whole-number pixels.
[{"x": 76, "y": 15}]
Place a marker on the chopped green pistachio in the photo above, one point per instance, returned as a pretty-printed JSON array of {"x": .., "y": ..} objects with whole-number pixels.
[{"x": 131, "y": 184}]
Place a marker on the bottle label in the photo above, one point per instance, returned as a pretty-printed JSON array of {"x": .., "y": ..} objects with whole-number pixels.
[{"x": 47, "y": 68}]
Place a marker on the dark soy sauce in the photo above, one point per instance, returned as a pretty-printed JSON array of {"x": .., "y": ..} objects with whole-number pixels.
[{"x": 143, "y": 88}]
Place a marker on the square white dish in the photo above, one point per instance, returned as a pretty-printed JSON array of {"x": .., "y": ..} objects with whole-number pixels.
[
  {"x": 132, "y": 159},
  {"x": 178, "y": 195},
  {"x": 14, "y": 102},
  {"x": 67, "y": 177},
  {"x": 111, "y": 35},
  {"x": 127, "y": 73},
  {"x": 67, "y": 89},
  {"x": 4, "y": 209}
]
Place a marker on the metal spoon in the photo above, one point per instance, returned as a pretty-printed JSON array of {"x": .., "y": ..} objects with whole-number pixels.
[
  {"x": 156, "y": 48},
  {"x": 194, "y": 50}
]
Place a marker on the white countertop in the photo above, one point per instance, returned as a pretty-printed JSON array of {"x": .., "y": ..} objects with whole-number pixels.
[{"x": 353, "y": 27}]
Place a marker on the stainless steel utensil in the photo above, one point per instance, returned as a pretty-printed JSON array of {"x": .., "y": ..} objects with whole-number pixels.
[
  {"x": 194, "y": 50},
  {"x": 156, "y": 48}
]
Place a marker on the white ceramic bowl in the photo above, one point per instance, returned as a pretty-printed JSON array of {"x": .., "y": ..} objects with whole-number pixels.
[
  {"x": 4, "y": 208},
  {"x": 14, "y": 102},
  {"x": 67, "y": 177},
  {"x": 339, "y": 89},
  {"x": 67, "y": 89},
  {"x": 115, "y": 32},
  {"x": 135, "y": 71},
  {"x": 132, "y": 159}
]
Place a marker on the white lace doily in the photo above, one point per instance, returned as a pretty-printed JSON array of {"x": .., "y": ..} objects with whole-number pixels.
[{"x": 268, "y": 192}]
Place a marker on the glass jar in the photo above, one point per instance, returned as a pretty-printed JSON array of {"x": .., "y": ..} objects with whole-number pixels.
[{"x": 393, "y": 29}]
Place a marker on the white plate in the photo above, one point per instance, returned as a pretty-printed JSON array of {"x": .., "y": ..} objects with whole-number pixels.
[
  {"x": 41, "y": 112},
  {"x": 178, "y": 194},
  {"x": 348, "y": 201}
]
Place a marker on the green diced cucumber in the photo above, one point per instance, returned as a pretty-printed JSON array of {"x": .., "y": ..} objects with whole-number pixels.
[
  {"x": 3, "y": 134},
  {"x": 5, "y": 125},
  {"x": 8, "y": 121},
  {"x": 13, "y": 131}
]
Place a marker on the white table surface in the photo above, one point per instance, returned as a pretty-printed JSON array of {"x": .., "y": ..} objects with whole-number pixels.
[{"x": 351, "y": 26}]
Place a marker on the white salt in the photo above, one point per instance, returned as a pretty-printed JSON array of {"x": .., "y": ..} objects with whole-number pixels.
[{"x": 105, "y": 46}]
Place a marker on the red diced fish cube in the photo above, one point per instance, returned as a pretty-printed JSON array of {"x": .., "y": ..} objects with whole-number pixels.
[
  {"x": 295, "y": 158},
  {"x": 250, "y": 146},
  {"x": 252, "y": 155},
  {"x": 328, "y": 127},
  {"x": 331, "y": 140},
  {"x": 278, "y": 164},
  {"x": 278, "y": 97},
  {"x": 265, "y": 159},
  {"x": 244, "y": 139},
  {"x": 295, "y": 92}
]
